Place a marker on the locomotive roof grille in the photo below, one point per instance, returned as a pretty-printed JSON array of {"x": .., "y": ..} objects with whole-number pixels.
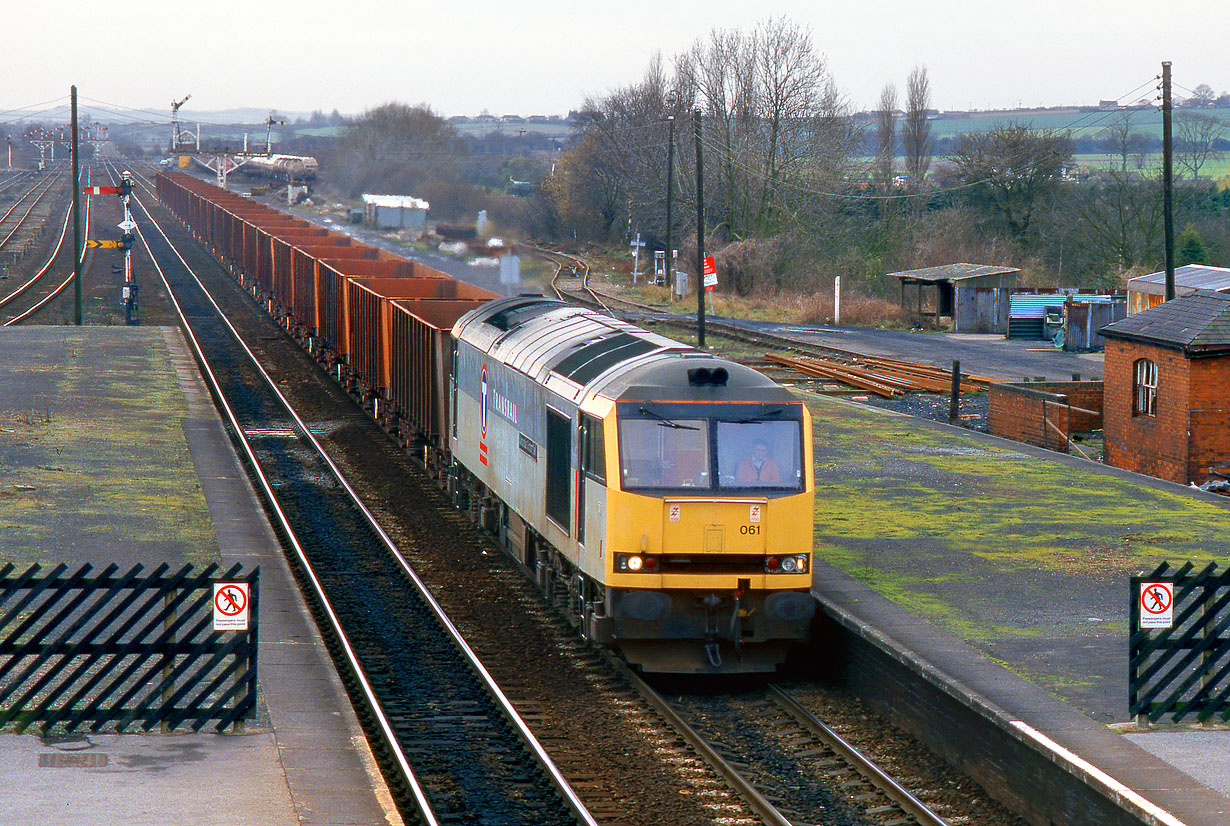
[
  {"x": 591, "y": 360},
  {"x": 510, "y": 318}
]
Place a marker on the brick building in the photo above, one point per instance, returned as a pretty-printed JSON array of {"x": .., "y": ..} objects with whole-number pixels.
[
  {"x": 1166, "y": 408},
  {"x": 1045, "y": 414}
]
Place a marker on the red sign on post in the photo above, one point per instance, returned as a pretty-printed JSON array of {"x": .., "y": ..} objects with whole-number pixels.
[
  {"x": 710, "y": 270},
  {"x": 101, "y": 190}
]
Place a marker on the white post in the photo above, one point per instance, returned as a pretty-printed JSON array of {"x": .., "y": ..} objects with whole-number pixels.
[
  {"x": 837, "y": 300},
  {"x": 636, "y": 261}
]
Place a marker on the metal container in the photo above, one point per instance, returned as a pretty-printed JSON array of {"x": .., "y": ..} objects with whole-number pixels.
[
  {"x": 369, "y": 323},
  {"x": 420, "y": 343}
]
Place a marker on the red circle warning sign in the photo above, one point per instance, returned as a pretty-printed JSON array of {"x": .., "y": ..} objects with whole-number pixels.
[
  {"x": 231, "y": 600},
  {"x": 1156, "y": 604},
  {"x": 1156, "y": 598}
]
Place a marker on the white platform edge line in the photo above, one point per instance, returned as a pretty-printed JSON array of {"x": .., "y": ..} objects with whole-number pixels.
[{"x": 1152, "y": 809}]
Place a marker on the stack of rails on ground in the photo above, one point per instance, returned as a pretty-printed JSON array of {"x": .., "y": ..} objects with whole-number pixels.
[{"x": 1048, "y": 759}]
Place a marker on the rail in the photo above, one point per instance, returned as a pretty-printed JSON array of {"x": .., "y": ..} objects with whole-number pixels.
[{"x": 390, "y": 727}]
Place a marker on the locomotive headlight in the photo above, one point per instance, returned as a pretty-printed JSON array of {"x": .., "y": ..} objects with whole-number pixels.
[
  {"x": 634, "y": 563},
  {"x": 796, "y": 564}
]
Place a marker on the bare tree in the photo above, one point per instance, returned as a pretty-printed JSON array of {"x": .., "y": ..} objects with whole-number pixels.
[
  {"x": 916, "y": 131},
  {"x": 1197, "y": 139},
  {"x": 718, "y": 75},
  {"x": 791, "y": 78},
  {"x": 773, "y": 119},
  {"x": 1202, "y": 96},
  {"x": 1013, "y": 169},
  {"x": 1120, "y": 139},
  {"x": 1118, "y": 220},
  {"x": 886, "y": 135},
  {"x": 394, "y": 146}
]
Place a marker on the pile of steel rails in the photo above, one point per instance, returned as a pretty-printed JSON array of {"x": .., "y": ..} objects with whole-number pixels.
[{"x": 883, "y": 376}]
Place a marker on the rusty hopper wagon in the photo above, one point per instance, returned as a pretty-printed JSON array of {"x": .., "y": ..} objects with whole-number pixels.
[{"x": 607, "y": 460}]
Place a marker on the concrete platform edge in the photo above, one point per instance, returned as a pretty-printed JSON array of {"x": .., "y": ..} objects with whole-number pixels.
[
  {"x": 244, "y": 534},
  {"x": 1094, "y": 759}
]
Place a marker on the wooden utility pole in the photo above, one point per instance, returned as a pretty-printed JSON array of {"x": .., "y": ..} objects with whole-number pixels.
[
  {"x": 670, "y": 188},
  {"x": 1167, "y": 179},
  {"x": 700, "y": 234},
  {"x": 76, "y": 214}
]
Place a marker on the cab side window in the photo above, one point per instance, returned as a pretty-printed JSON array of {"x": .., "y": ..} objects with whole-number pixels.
[{"x": 593, "y": 449}]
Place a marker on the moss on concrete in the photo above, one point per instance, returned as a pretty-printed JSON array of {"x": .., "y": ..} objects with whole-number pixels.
[
  {"x": 1026, "y": 557},
  {"x": 94, "y": 465}
]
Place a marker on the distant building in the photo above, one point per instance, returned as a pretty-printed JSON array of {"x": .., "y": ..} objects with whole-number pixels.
[
  {"x": 395, "y": 211},
  {"x": 1145, "y": 291},
  {"x": 1166, "y": 409},
  {"x": 1108, "y": 104},
  {"x": 975, "y": 296}
]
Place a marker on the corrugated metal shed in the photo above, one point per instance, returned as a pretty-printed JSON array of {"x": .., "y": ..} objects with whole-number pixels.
[
  {"x": 1186, "y": 278},
  {"x": 971, "y": 294},
  {"x": 1197, "y": 323},
  {"x": 395, "y": 211},
  {"x": 395, "y": 201}
]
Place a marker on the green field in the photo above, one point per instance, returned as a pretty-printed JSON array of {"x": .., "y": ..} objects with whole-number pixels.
[
  {"x": 1081, "y": 124},
  {"x": 1216, "y": 169}
]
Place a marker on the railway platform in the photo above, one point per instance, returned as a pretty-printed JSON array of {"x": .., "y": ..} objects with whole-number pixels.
[
  {"x": 1018, "y": 560},
  {"x": 111, "y": 450}
]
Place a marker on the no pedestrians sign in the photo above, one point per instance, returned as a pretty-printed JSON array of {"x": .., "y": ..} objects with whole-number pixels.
[
  {"x": 231, "y": 606},
  {"x": 1156, "y": 604}
]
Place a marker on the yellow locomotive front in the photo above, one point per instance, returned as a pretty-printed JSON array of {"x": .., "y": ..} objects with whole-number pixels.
[{"x": 709, "y": 526}]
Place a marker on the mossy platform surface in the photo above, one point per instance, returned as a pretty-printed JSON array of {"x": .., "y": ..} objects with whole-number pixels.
[
  {"x": 1023, "y": 553},
  {"x": 94, "y": 464}
]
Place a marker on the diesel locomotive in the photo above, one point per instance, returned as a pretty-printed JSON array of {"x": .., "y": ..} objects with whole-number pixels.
[
  {"x": 665, "y": 494},
  {"x": 661, "y": 496}
]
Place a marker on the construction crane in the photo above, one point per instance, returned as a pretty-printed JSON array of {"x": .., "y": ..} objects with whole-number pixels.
[{"x": 175, "y": 121}]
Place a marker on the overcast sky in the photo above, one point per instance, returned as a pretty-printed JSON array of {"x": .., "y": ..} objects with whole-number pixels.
[{"x": 545, "y": 56}]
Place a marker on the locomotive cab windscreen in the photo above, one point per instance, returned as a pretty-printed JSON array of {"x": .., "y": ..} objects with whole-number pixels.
[{"x": 694, "y": 448}]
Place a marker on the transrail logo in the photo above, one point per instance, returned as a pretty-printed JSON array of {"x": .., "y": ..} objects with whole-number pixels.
[
  {"x": 482, "y": 392},
  {"x": 503, "y": 406},
  {"x": 482, "y": 415}
]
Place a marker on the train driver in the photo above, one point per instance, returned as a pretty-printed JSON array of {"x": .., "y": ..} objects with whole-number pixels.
[{"x": 759, "y": 467}]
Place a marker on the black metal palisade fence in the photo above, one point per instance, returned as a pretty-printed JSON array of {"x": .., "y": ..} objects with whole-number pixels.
[
  {"x": 123, "y": 650},
  {"x": 1182, "y": 671}
]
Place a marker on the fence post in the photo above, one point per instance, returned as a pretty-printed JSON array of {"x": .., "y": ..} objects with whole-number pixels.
[{"x": 168, "y": 691}]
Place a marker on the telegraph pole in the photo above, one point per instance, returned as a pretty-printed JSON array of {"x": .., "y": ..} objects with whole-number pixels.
[
  {"x": 1167, "y": 179},
  {"x": 76, "y": 214},
  {"x": 670, "y": 178},
  {"x": 700, "y": 234}
]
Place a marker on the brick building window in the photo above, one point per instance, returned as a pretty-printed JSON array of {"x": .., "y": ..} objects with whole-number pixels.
[{"x": 1144, "y": 386}]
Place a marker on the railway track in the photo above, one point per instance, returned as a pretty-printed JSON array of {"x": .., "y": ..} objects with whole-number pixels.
[
  {"x": 29, "y": 298},
  {"x": 571, "y": 283},
  {"x": 573, "y": 697},
  {"x": 455, "y": 748},
  {"x": 799, "y": 769},
  {"x": 18, "y": 216}
]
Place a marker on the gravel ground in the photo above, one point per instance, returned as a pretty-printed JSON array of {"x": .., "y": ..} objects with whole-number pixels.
[{"x": 973, "y": 409}]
